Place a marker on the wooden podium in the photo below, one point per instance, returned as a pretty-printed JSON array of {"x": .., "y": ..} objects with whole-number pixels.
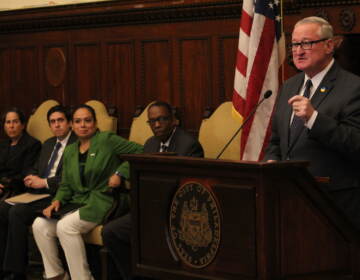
[{"x": 253, "y": 221}]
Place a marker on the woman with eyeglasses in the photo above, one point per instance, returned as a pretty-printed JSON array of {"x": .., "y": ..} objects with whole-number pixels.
[{"x": 92, "y": 167}]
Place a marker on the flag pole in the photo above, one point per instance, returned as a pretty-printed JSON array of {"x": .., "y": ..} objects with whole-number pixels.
[{"x": 283, "y": 34}]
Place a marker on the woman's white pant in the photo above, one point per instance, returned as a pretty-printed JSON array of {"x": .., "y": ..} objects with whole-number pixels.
[{"x": 68, "y": 230}]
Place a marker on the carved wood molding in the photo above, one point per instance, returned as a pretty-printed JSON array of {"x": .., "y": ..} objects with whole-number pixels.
[
  {"x": 69, "y": 17},
  {"x": 55, "y": 67},
  {"x": 294, "y": 6},
  {"x": 322, "y": 3},
  {"x": 221, "y": 68}
]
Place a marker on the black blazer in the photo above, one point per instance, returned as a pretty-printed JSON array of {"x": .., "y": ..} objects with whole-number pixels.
[
  {"x": 333, "y": 144},
  {"x": 182, "y": 143},
  {"x": 16, "y": 167},
  {"x": 41, "y": 164}
]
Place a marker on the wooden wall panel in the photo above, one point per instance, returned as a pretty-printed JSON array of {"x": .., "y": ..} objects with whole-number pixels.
[
  {"x": 25, "y": 78},
  {"x": 195, "y": 79},
  {"x": 4, "y": 78},
  {"x": 127, "y": 56},
  {"x": 128, "y": 53},
  {"x": 86, "y": 78},
  {"x": 55, "y": 72},
  {"x": 120, "y": 82},
  {"x": 228, "y": 51},
  {"x": 156, "y": 65}
]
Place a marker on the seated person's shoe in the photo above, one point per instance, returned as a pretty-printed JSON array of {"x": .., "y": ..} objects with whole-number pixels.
[
  {"x": 15, "y": 276},
  {"x": 64, "y": 276}
]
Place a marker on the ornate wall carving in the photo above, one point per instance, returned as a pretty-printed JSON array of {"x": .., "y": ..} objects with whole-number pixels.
[{"x": 114, "y": 13}]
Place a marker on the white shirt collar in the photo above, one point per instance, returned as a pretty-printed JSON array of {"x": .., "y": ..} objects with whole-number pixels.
[
  {"x": 65, "y": 140},
  {"x": 316, "y": 80},
  {"x": 167, "y": 143}
]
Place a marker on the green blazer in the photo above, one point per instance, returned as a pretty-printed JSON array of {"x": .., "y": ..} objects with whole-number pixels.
[{"x": 102, "y": 161}]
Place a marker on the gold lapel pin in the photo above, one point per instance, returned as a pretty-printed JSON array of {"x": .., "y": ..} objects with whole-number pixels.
[{"x": 323, "y": 89}]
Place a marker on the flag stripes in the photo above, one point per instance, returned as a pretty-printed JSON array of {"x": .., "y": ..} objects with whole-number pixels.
[{"x": 256, "y": 72}]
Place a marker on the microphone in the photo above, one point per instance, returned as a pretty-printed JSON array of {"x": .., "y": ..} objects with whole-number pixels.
[{"x": 267, "y": 94}]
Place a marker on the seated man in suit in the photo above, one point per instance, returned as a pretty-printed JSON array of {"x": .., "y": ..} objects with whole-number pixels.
[
  {"x": 167, "y": 138},
  {"x": 44, "y": 178},
  {"x": 317, "y": 117}
]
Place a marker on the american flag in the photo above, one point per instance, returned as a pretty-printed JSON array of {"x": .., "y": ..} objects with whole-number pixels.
[{"x": 257, "y": 69}]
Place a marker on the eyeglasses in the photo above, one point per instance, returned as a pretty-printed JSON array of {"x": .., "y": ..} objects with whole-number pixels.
[
  {"x": 159, "y": 119},
  {"x": 305, "y": 45}
]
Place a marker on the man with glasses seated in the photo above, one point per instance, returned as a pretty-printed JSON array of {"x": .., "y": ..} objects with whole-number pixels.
[
  {"x": 317, "y": 116},
  {"x": 167, "y": 138}
]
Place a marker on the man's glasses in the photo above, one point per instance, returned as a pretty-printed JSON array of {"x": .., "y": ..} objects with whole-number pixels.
[
  {"x": 305, "y": 45},
  {"x": 159, "y": 119}
]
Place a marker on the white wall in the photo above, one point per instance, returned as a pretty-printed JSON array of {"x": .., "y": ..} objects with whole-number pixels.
[{"x": 23, "y": 4}]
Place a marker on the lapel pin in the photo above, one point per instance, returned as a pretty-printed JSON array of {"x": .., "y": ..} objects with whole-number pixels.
[
  {"x": 323, "y": 89},
  {"x": 92, "y": 154}
]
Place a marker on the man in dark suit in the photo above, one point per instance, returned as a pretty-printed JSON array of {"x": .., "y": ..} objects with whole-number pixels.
[
  {"x": 317, "y": 117},
  {"x": 44, "y": 178},
  {"x": 167, "y": 138}
]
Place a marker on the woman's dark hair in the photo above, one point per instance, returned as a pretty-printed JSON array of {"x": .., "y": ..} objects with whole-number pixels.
[
  {"x": 87, "y": 107},
  {"x": 20, "y": 114}
]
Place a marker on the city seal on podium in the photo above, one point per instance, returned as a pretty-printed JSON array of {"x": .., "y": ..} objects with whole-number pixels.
[{"x": 195, "y": 224}]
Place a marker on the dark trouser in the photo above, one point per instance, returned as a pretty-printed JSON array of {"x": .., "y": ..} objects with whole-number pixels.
[
  {"x": 4, "y": 221},
  {"x": 14, "y": 237},
  {"x": 348, "y": 201},
  {"x": 116, "y": 238}
]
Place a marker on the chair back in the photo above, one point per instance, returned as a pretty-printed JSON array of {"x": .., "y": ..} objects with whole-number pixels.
[
  {"x": 105, "y": 122},
  {"x": 38, "y": 126},
  {"x": 217, "y": 130},
  {"x": 140, "y": 131}
]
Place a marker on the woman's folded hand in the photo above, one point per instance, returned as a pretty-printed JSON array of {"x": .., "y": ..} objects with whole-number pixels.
[{"x": 55, "y": 205}]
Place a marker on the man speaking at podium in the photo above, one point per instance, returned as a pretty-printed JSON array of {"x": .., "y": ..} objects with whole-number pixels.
[{"x": 317, "y": 117}]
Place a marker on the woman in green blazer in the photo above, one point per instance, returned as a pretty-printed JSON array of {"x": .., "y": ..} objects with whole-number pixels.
[{"x": 91, "y": 168}]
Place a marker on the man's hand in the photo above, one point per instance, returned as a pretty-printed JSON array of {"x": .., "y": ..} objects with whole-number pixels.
[
  {"x": 35, "y": 182},
  {"x": 55, "y": 205},
  {"x": 114, "y": 181},
  {"x": 2, "y": 187},
  {"x": 301, "y": 107}
]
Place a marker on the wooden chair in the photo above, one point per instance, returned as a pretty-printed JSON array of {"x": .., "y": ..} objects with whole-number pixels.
[
  {"x": 94, "y": 237},
  {"x": 140, "y": 131},
  {"x": 105, "y": 123},
  {"x": 38, "y": 125},
  {"x": 104, "y": 120},
  {"x": 217, "y": 130}
]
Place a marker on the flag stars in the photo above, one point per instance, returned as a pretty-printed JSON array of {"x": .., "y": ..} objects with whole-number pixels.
[{"x": 273, "y": 4}]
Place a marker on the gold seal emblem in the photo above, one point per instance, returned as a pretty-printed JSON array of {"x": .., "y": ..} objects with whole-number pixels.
[{"x": 195, "y": 224}]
